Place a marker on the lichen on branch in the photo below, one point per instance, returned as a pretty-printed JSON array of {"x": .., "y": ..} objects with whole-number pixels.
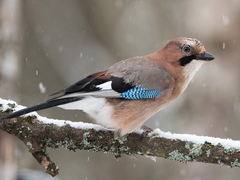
[{"x": 39, "y": 133}]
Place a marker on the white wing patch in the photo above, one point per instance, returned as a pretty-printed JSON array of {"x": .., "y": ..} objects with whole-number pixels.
[
  {"x": 105, "y": 86},
  {"x": 106, "y": 91}
]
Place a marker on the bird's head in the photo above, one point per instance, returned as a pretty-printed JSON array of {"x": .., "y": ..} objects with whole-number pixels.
[
  {"x": 186, "y": 55},
  {"x": 184, "y": 50}
]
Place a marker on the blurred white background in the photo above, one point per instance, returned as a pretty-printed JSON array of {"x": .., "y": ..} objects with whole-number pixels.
[{"x": 45, "y": 46}]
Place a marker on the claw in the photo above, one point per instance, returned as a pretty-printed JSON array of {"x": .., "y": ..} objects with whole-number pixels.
[{"x": 146, "y": 130}]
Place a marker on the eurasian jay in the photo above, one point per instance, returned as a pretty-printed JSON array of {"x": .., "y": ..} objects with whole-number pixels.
[{"x": 125, "y": 95}]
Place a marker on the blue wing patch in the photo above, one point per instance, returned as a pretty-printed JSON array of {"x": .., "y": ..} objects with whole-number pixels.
[{"x": 138, "y": 92}]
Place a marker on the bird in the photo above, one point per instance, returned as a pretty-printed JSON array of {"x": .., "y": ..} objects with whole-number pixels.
[{"x": 130, "y": 91}]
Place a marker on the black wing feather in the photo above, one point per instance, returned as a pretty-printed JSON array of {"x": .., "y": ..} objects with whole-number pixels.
[
  {"x": 119, "y": 85},
  {"x": 88, "y": 84},
  {"x": 87, "y": 87}
]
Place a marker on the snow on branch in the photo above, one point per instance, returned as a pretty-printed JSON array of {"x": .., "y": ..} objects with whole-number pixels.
[{"x": 38, "y": 133}]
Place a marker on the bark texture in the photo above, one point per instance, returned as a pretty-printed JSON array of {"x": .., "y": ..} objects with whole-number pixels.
[{"x": 38, "y": 136}]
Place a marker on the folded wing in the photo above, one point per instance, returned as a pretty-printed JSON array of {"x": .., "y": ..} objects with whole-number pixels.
[{"x": 130, "y": 79}]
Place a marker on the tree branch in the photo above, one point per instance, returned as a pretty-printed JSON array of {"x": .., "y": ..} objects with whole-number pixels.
[{"x": 39, "y": 133}]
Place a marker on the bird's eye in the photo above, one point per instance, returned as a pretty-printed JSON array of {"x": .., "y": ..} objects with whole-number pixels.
[{"x": 186, "y": 49}]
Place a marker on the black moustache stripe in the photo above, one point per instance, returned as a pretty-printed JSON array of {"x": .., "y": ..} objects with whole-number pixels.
[{"x": 186, "y": 59}]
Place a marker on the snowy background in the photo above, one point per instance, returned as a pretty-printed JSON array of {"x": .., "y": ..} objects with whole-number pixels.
[{"x": 48, "y": 45}]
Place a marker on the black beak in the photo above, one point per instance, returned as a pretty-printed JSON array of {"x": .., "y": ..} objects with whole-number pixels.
[{"x": 205, "y": 56}]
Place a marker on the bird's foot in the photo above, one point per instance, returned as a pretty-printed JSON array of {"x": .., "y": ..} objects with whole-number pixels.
[
  {"x": 146, "y": 130},
  {"x": 120, "y": 138}
]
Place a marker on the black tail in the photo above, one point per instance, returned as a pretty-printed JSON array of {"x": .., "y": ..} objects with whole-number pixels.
[{"x": 45, "y": 105}]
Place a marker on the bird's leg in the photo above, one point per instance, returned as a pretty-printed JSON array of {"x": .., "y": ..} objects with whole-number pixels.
[
  {"x": 120, "y": 138},
  {"x": 146, "y": 130}
]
